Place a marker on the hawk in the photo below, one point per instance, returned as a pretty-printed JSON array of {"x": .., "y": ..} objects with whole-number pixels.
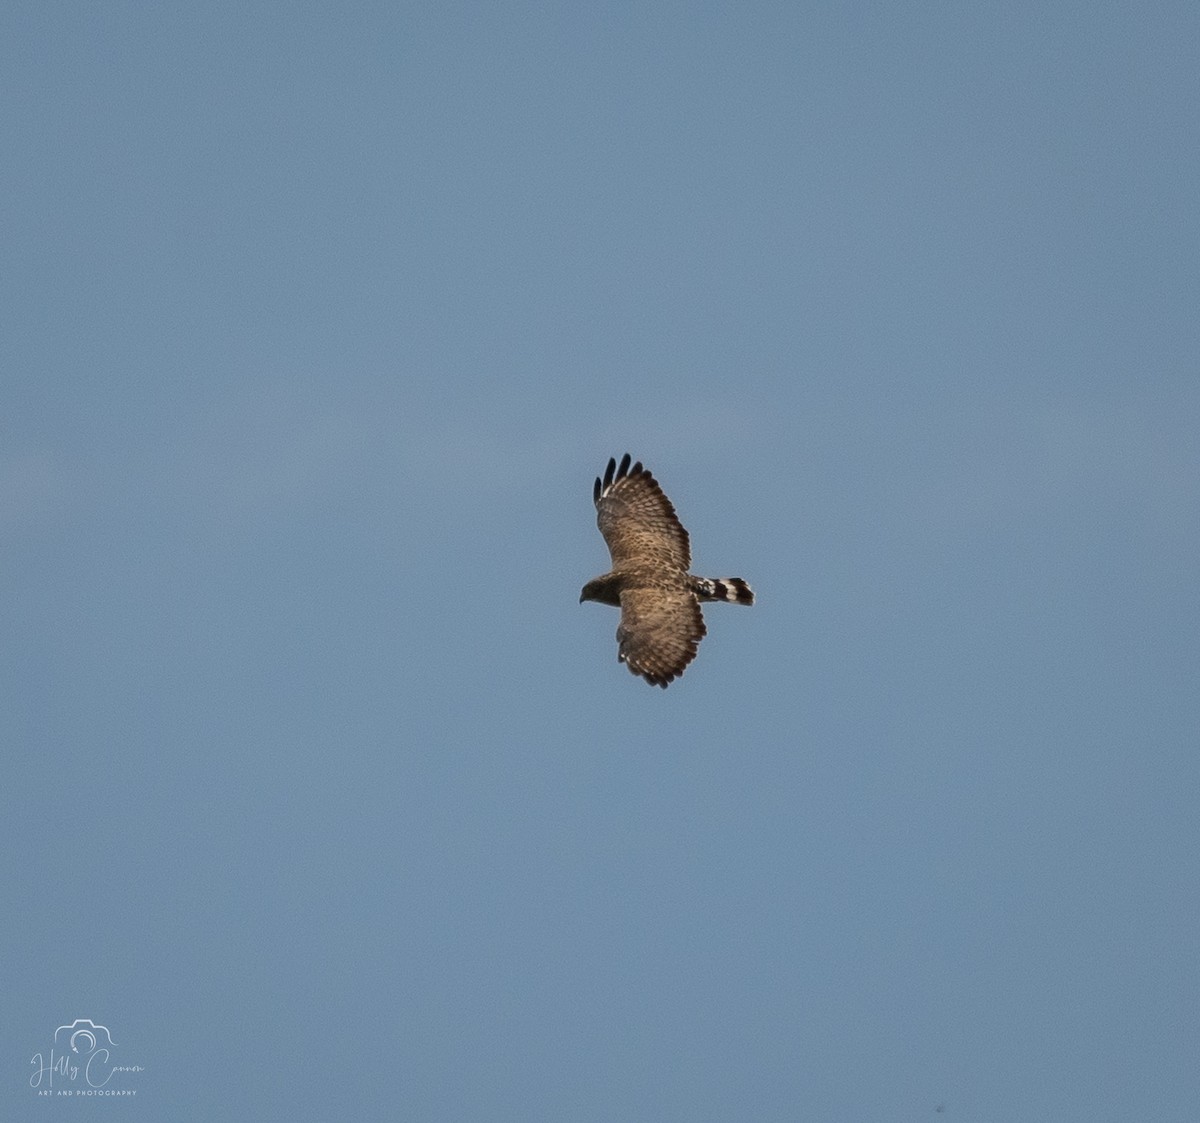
[{"x": 661, "y": 623}]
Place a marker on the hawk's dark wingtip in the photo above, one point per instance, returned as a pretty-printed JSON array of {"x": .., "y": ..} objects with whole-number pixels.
[
  {"x": 609, "y": 472},
  {"x": 614, "y": 472}
]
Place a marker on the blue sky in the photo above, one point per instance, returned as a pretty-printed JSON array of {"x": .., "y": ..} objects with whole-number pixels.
[{"x": 323, "y": 793}]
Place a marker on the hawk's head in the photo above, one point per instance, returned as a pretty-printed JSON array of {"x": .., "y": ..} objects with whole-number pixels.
[{"x": 606, "y": 590}]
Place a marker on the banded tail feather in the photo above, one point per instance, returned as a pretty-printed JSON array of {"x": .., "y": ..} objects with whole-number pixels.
[{"x": 732, "y": 589}]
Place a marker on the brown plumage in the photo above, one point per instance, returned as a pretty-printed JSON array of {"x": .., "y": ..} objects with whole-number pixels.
[{"x": 661, "y": 624}]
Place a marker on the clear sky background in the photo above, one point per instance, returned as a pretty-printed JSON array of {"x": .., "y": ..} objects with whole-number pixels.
[{"x": 323, "y": 793}]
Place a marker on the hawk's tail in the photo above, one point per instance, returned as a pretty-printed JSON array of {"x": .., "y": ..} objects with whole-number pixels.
[{"x": 723, "y": 588}]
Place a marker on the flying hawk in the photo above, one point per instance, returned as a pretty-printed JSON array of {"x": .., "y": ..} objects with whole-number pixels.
[{"x": 661, "y": 623}]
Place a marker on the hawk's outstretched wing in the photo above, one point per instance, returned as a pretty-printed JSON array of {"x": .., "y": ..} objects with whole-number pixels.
[
  {"x": 659, "y": 633},
  {"x": 637, "y": 520}
]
